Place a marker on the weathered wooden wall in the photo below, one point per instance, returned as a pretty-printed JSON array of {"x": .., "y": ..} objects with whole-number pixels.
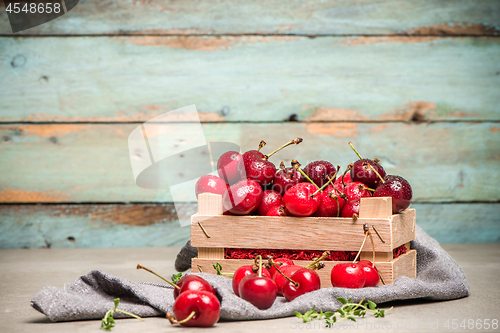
[{"x": 416, "y": 84}]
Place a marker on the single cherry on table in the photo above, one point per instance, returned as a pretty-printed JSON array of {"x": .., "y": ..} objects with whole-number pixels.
[
  {"x": 243, "y": 271},
  {"x": 259, "y": 290},
  {"x": 195, "y": 308}
]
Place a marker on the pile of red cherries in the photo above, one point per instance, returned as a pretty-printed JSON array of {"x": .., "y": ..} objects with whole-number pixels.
[{"x": 250, "y": 184}]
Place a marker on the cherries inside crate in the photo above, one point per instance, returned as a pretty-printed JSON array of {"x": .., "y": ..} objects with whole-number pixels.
[{"x": 213, "y": 232}]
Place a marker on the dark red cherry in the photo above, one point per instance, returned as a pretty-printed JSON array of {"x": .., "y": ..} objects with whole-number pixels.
[
  {"x": 307, "y": 280},
  {"x": 277, "y": 211},
  {"x": 285, "y": 179},
  {"x": 371, "y": 273},
  {"x": 192, "y": 282},
  {"x": 299, "y": 201},
  {"x": 331, "y": 203},
  {"x": 350, "y": 208},
  {"x": 254, "y": 165},
  {"x": 243, "y": 271},
  {"x": 227, "y": 167},
  {"x": 261, "y": 291},
  {"x": 243, "y": 197},
  {"x": 399, "y": 189},
  {"x": 270, "y": 199},
  {"x": 362, "y": 172},
  {"x": 356, "y": 191},
  {"x": 348, "y": 275},
  {"x": 210, "y": 184},
  {"x": 204, "y": 305},
  {"x": 319, "y": 170}
]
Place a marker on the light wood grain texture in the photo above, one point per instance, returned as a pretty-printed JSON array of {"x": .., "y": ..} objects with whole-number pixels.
[
  {"x": 306, "y": 233},
  {"x": 110, "y": 225},
  {"x": 90, "y": 162},
  {"x": 273, "y": 17},
  {"x": 210, "y": 204},
  {"x": 403, "y": 227},
  {"x": 375, "y": 207},
  {"x": 251, "y": 78},
  {"x": 210, "y": 253},
  {"x": 401, "y": 266}
]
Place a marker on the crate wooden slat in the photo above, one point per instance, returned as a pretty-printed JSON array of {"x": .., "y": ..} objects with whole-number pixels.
[
  {"x": 305, "y": 233},
  {"x": 212, "y": 232},
  {"x": 404, "y": 265}
]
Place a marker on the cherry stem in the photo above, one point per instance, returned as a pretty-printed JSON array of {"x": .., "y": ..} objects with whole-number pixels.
[
  {"x": 350, "y": 144},
  {"x": 361, "y": 248},
  {"x": 261, "y": 144},
  {"x": 271, "y": 261},
  {"x": 295, "y": 141},
  {"x": 378, "y": 174},
  {"x": 139, "y": 266},
  {"x": 363, "y": 187},
  {"x": 296, "y": 166},
  {"x": 325, "y": 255},
  {"x": 349, "y": 167},
  {"x": 260, "y": 264},
  {"x": 130, "y": 314},
  {"x": 282, "y": 166},
  {"x": 340, "y": 194},
  {"x": 173, "y": 321},
  {"x": 327, "y": 183}
]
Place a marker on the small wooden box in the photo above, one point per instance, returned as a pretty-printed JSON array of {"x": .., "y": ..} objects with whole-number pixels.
[{"x": 305, "y": 233}]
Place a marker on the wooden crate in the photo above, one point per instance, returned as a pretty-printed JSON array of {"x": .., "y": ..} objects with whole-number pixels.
[{"x": 211, "y": 232}]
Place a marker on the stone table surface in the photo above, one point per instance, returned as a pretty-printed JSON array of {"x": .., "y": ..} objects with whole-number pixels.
[{"x": 24, "y": 272}]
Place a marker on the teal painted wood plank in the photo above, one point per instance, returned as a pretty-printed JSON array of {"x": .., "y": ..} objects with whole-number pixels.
[
  {"x": 250, "y": 78},
  {"x": 66, "y": 226},
  {"x": 91, "y": 226},
  {"x": 90, "y": 163},
  {"x": 273, "y": 17}
]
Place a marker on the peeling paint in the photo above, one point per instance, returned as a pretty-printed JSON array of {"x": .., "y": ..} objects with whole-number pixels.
[
  {"x": 494, "y": 129},
  {"x": 456, "y": 29},
  {"x": 342, "y": 130},
  {"x": 47, "y": 131},
  {"x": 411, "y": 111},
  {"x": 334, "y": 114},
  {"x": 364, "y": 40},
  {"x": 379, "y": 128},
  {"x": 124, "y": 116},
  {"x": 201, "y": 43},
  {"x": 10, "y": 195}
]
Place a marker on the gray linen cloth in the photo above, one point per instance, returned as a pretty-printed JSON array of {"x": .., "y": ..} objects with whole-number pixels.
[{"x": 439, "y": 278}]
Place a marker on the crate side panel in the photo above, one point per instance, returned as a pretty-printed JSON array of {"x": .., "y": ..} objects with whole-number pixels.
[
  {"x": 406, "y": 265},
  {"x": 403, "y": 227}
]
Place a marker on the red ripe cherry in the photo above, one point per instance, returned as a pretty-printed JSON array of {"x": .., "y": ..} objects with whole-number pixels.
[
  {"x": 299, "y": 200},
  {"x": 243, "y": 197},
  {"x": 280, "y": 262},
  {"x": 259, "y": 290},
  {"x": 193, "y": 283},
  {"x": 280, "y": 280},
  {"x": 348, "y": 275},
  {"x": 371, "y": 273},
  {"x": 277, "y": 211},
  {"x": 210, "y": 184},
  {"x": 270, "y": 199},
  {"x": 243, "y": 271},
  {"x": 227, "y": 167},
  {"x": 356, "y": 190},
  {"x": 331, "y": 203},
  {"x": 203, "y": 306},
  {"x": 319, "y": 170},
  {"x": 350, "y": 208},
  {"x": 362, "y": 172},
  {"x": 399, "y": 189},
  {"x": 254, "y": 165},
  {"x": 285, "y": 179},
  {"x": 339, "y": 184},
  {"x": 307, "y": 280}
]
